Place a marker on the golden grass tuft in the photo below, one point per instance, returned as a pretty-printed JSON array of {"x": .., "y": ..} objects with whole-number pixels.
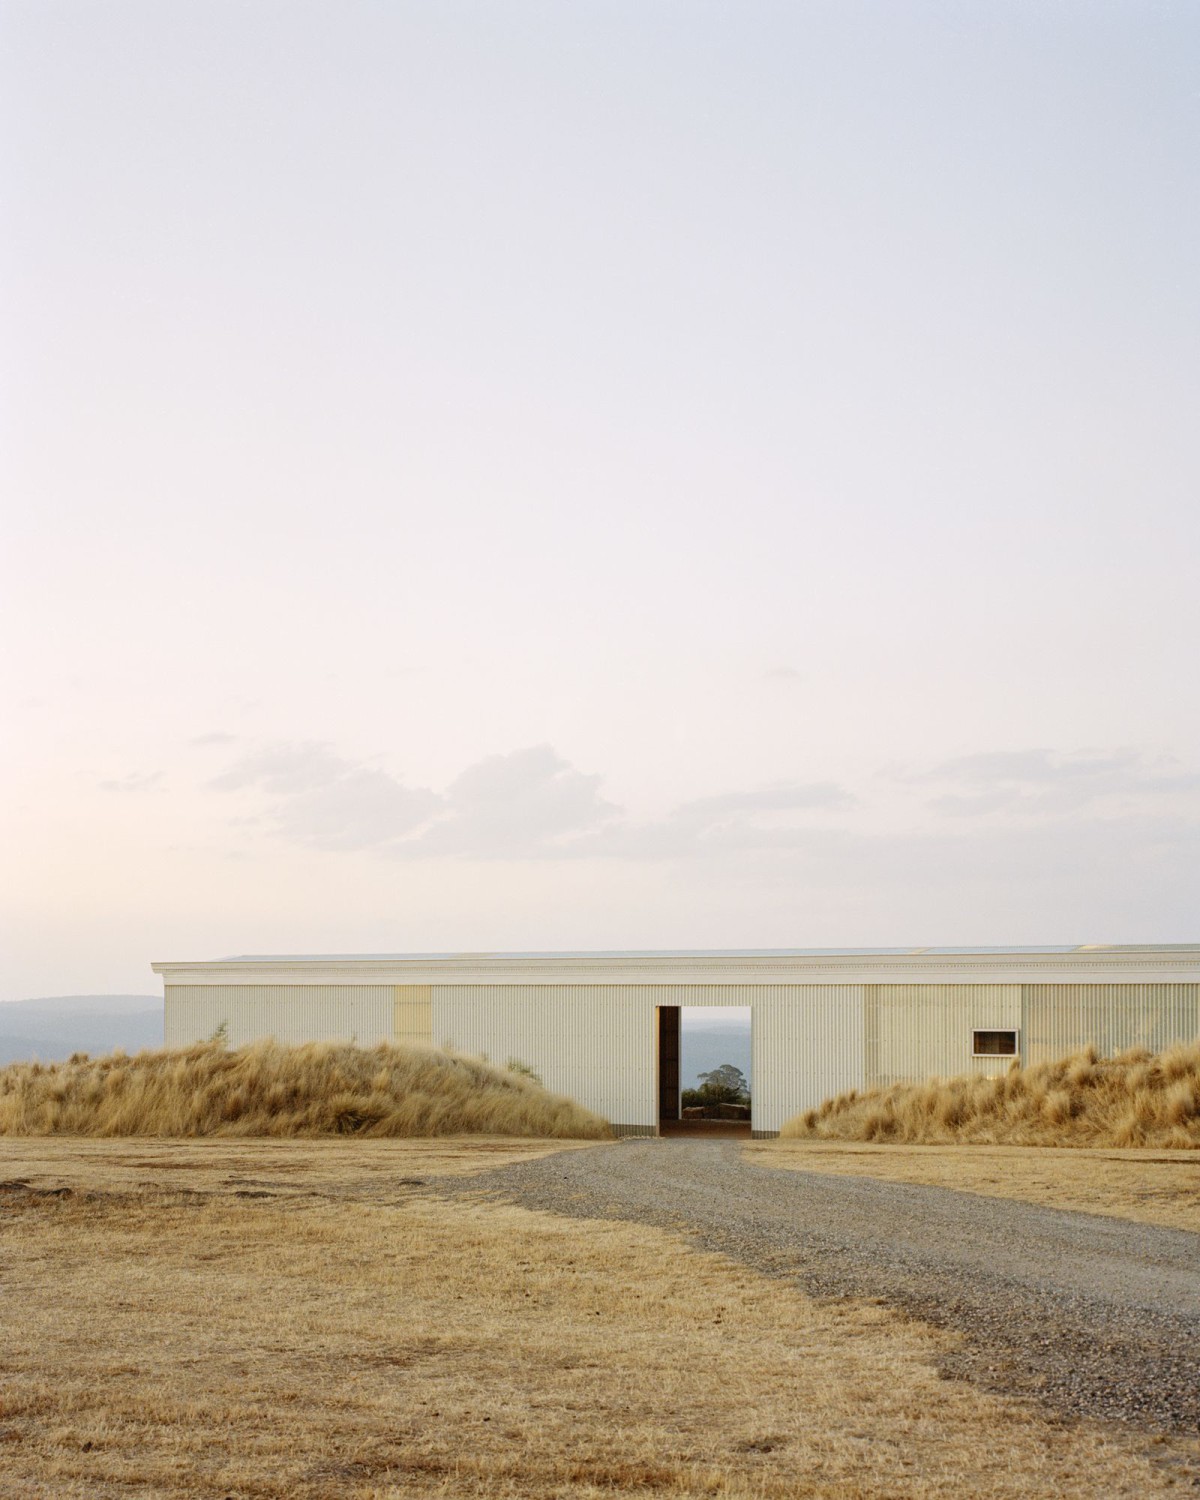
[
  {"x": 1134, "y": 1099},
  {"x": 266, "y": 1089}
]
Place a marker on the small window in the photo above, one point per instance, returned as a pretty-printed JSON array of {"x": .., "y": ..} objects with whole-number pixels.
[{"x": 994, "y": 1044}]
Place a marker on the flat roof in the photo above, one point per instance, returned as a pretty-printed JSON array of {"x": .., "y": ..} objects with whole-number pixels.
[{"x": 618, "y": 953}]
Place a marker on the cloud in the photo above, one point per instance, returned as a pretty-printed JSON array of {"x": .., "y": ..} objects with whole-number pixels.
[
  {"x": 528, "y": 804},
  {"x": 524, "y": 805},
  {"x": 327, "y": 802},
  {"x": 136, "y": 781},
  {"x": 781, "y": 797},
  {"x": 728, "y": 822},
  {"x": 783, "y": 674},
  {"x": 285, "y": 768},
  {"x": 217, "y": 737},
  {"x": 1042, "y": 781},
  {"x": 1036, "y": 813},
  {"x": 360, "y": 809}
]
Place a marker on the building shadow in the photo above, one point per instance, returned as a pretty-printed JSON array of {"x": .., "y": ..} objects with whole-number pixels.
[{"x": 705, "y": 1130}]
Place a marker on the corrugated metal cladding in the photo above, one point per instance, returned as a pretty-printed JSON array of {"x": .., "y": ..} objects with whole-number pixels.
[
  {"x": 593, "y": 1042},
  {"x": 918, "y": 1030},
  {"x": 597, "y": 1042},
  {"x": 413, "y": 1014},
  {"x": 807, "y": 1042},
  {"x": 822, "y": 1022},
  {"x": 1062, "y": 1018},
  {"x": 363, "y": 1013}
]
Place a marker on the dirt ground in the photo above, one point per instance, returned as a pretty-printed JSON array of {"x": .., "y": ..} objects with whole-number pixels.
[
  {"x": 261, "y": 1319},
  {"x": 1151, "y": 1187}
]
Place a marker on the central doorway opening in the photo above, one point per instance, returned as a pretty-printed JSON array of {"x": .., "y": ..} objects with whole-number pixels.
[{"x": 704, "y": 1070}]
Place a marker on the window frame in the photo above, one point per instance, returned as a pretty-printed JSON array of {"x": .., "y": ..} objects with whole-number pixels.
[{"x": 1012, "y": 1031}]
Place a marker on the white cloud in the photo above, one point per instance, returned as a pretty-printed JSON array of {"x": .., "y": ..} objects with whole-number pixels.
[
  {"x": 135, "y": 781},
  {"x": 1036, "y": 817},
  {"x": 327, "y": 802},
  {"x": 726, "y": 823},
  {"x": 286, "y": 768},
  {"x": 1039, "y": 782},
  {"x": 360, "y": 809},
  {"x": 529, "y": 803},
  {"x": 781, "y": 797}
]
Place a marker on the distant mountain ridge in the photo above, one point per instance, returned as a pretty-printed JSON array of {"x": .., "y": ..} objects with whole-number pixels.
[{"x": 53, "y": 1027}]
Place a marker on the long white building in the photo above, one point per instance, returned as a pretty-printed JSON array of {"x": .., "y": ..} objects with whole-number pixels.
[{"x": 604, "y": 1027}]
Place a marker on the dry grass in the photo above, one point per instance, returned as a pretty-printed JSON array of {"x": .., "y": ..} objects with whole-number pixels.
[
  {"x": 1151, "y": 1188},
  {"x": 266, "y": 1089},
  {"x": 375, "y": 1344},
  {"x": 364, "y": 1171},
  {"x": 1135, "y": 1099}
]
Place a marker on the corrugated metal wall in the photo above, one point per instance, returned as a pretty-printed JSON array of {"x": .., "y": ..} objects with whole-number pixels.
[
  {"x": 413, "y": 1014},
  {"x": 592, "y": 1042},
  {"x": 288, "y": 1012},
  {"x": 597, "y": 1042},
  {"x": 807, "y": 1044},
  {"x": 1062, "y": 1018},
  {"x": 916, "y": 1031}
]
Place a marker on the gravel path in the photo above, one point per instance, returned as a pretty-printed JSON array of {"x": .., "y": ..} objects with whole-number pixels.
[{"x": 1094, "y": 1316}]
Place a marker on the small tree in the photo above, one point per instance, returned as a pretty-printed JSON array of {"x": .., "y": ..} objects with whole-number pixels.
[{"x": 723, "y": 1085}]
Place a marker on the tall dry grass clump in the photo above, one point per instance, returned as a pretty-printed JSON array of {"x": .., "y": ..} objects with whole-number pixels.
[
  {"x": 266, "y": 1089},
  {"x": 1135, "y": 1099}
]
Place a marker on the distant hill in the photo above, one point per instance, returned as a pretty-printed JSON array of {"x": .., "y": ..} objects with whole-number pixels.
[{"x": 54, "y": 1027}]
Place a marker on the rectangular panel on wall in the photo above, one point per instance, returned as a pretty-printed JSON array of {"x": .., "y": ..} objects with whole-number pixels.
[
  {"x": 807, "y": 1046},
  {"x": 413, "y": 1024},
  {"x": 291, "y": 1013},
  {"x": 1063, "y": 1018},
  {"x": 916, "y": 1031}
]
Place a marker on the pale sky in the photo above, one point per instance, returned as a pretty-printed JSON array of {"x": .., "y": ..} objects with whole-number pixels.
[{"x": 596, "y": 475}]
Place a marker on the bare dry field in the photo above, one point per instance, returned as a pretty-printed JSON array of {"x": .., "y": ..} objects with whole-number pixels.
[
  {"x": 348, "y": 1166},
  {"x": 298, "y": 1318},
  {"x": 1149, "y": 1186}
]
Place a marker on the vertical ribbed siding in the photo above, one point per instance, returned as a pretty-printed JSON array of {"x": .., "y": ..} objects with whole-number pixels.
[
  {"x": 1062, "y": 1018},
  {"x": 916, "y": 1031},
  {"x": 413, "y": 1023},
  {"x": 363, "y": 1013},
  {"x": 807, "y": 1045},
  {"x": 594, "y": 1043},
  {"x": 597, "y": 1043}
]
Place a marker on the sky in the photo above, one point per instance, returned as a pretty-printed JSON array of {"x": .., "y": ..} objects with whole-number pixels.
[{"x": 602, "y": 475}]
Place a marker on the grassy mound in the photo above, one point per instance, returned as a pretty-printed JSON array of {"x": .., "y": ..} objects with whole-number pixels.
[
  {"x": 1135, "y": 1099},
  {"x": 270, "y": 1090}
]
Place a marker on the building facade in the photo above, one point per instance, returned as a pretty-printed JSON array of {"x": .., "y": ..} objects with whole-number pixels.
[{"x": 604, "y": 1027}]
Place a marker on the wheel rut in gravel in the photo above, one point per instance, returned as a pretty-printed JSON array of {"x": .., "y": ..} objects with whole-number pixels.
[{"x": 1094, "y": 1316}]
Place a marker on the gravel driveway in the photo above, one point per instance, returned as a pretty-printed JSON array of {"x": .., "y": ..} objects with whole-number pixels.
[{"x": 1094, "y": 1316}]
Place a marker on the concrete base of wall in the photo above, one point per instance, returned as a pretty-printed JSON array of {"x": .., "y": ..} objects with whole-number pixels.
[
  {"x": 763, "y": 1135},
  {"x": 623, "y": 1130}
]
